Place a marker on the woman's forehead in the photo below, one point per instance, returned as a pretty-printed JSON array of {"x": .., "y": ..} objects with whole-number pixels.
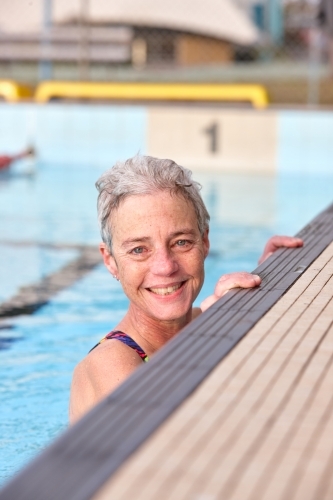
[
  {"x": 158, "y": 200},
  {"x": 149, "y": 210}
]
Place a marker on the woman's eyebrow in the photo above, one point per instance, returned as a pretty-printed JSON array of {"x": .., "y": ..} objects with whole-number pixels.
[
  {"x": 131, "y": 241},
  {"x": 184, "y": 231},
  {"x": 144, "y": 239}
]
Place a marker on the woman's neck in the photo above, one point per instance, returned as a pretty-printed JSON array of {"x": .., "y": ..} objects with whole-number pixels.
[{"x": 149, "y": 333}]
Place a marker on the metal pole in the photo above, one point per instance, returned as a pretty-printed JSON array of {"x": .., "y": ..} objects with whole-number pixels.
[
  {"x": 274, "y": 20},
  {"x": 314, "y": 66},
  {"x": 45, "y": 65},
  {"x": 83, "y": 62}
]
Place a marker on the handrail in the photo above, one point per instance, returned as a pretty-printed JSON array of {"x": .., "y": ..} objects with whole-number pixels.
[
  {"x": 13, "y": 91},
  {"x": 254, "y": 93}
]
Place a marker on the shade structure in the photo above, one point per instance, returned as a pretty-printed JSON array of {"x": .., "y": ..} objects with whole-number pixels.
[{"x": 221, "y": 19}]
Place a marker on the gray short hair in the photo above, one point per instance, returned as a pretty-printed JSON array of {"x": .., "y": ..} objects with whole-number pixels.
[{"x": 145, "y": 175}]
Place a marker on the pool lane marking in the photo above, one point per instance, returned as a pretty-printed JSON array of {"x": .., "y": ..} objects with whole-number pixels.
[{"x": 32, "y": 297}]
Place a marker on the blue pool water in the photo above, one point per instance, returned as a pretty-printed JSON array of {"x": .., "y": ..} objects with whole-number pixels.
[{"x": 56, "y": 206}]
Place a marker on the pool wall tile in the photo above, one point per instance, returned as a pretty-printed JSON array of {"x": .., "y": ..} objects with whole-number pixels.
[
  {"x": 16, "y": 127},
  {"x": 305, "y": 141},
  {"x": 198, "y": 137},
  {"x": 213, "y": 138},
  {"x": 75, "y": 134}
]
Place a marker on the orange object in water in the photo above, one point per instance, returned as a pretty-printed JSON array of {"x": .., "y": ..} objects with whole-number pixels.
[{"x": 6, "y": 160}]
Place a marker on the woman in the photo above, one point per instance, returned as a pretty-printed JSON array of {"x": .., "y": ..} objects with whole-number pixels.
[{"x": 154, "y": 227}]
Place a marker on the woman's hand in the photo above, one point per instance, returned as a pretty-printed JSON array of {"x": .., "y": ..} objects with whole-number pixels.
[
  {"x": 247, "y": 280},
  {"x": 276, "y": 242},
  {"x": 229, "y": 281}
]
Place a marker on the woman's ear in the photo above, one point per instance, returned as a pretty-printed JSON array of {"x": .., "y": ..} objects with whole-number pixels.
[
  {"x": 108, "y": 259},
  {"x": 206, "y": 244}
]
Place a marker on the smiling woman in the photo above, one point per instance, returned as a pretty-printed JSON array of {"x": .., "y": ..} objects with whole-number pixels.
[{"x": 154, "y": 227}]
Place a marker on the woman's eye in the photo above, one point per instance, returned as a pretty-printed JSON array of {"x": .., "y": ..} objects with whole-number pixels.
[{"x": 137, "y": 250}]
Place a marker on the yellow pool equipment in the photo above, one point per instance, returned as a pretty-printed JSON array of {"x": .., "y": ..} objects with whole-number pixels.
[
  {"x": 12, "y": 91},
  {"x": 140, "y": 91}
]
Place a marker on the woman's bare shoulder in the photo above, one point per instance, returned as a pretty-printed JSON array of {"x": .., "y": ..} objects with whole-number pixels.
[
  {"x": 112, "y": 354},
  {"x": 99, "y": 373}
]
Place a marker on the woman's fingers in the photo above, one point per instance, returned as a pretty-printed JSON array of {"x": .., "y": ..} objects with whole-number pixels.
[
  {"x": 228, "y": 282},
  {"x": 276, "y": 242},
  {"x": 236, "y": 280}
]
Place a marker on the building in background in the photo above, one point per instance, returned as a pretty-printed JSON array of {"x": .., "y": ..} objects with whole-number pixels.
[
  {"x": 144, "y": 32},
  {"x": 178, "y": 40},
  {"x": 186, "y": 32}
]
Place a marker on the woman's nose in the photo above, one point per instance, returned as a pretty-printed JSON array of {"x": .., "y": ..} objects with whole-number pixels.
[{"x": 163, "y": 263}]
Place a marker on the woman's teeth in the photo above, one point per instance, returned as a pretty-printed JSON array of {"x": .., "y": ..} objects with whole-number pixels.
[{"x": 167, "y": 290}]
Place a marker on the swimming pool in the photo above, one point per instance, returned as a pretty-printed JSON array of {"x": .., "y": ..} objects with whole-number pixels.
[{"x": 44, "y": 217}]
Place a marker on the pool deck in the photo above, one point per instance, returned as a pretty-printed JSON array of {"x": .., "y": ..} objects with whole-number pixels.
[{"x": 238, "y": 406}]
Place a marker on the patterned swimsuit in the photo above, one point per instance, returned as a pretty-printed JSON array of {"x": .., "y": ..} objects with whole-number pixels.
[{"x": 125, "y": 339}]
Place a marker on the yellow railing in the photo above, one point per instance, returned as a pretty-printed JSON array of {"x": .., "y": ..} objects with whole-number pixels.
[
  {"x": 12, "y": 91},
  {"x": 256, "y": 94}
]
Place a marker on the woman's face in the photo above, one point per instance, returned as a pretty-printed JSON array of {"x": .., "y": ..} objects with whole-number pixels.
[{"x": 158, "y": 254}]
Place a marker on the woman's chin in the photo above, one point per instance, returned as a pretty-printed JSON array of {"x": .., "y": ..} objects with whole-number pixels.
[{"x": 171, "y": 311}]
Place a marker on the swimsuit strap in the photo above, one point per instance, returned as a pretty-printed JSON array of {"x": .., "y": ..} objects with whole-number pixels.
[{"x": 125, "y": 339}]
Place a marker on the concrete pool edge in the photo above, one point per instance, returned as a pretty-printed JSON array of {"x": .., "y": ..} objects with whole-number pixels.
[{"x": 83, "y": 456}]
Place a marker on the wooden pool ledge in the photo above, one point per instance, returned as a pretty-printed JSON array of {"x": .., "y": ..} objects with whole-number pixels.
[{"x": 238, "y": 406}]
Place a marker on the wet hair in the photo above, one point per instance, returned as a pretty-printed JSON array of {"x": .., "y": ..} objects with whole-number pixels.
[{"x": 142, "y": 175}]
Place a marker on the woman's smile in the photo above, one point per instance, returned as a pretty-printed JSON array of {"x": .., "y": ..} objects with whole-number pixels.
[{"x": 166, "y": 290}]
